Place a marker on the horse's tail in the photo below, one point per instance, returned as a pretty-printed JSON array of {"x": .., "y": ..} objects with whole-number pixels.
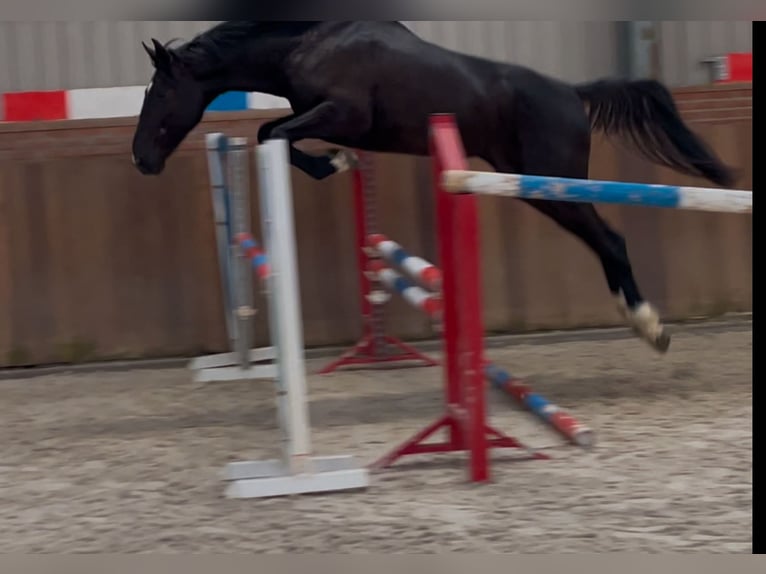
[{"x": 645, "y": 112}]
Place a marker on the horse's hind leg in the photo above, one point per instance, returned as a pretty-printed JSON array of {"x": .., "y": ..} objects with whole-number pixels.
[{"x": 582, "y": 220}]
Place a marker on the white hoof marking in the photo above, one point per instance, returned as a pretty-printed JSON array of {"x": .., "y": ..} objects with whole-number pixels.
[
  {"x": 342, "y": 161},
  {"x": 644, "y": 319},
  {"x": 647, "y": 321}
]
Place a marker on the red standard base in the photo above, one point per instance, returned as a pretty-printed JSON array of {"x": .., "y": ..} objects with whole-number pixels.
[
  {"x": 368, "y": 351},
  {"x": 415, "y": 445}
]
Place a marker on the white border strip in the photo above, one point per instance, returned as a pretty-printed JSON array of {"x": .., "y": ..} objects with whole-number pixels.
[
  {"x": 259, "y": 101},
  {"x": 93, "y": 103}
]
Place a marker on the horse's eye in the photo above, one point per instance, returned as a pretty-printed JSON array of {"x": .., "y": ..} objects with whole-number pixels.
[{"x": 163, "y": 131}]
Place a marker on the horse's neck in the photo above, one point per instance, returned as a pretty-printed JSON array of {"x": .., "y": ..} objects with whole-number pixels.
[
  {"x": 260, "y": 69},
  {"x": 243, "y": 82}
]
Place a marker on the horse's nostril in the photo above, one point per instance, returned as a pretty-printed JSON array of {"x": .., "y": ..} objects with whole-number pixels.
[{"x": 138, "y": 163}]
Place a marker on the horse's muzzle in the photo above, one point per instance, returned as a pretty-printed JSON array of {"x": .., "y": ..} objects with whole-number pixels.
[{"x": 148, "y": 168}]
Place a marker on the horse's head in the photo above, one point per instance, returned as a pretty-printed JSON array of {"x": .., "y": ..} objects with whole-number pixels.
[{"x": 173, "y": 106}]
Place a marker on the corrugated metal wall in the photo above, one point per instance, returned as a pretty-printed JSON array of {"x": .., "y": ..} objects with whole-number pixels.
[
  {"x": 59, "y": 55},
  {"x": 683, "y": 45},
  {"x": 68, "y": 55},
  {"x": 573, "y": 51}
]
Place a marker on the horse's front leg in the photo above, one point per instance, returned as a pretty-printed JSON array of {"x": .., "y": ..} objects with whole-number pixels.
[
  {"x": 317, "y": 167},
  {"x": 264, "y": 132},
  {"x": 326, "y": 121}
]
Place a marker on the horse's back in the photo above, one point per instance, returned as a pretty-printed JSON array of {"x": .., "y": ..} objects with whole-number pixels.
[
  {"x": 400, "y": 72},
  {"x": 400, "y": 80}
]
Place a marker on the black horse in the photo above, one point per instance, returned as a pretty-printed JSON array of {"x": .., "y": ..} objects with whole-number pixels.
[{"x": 373, "y": 85}]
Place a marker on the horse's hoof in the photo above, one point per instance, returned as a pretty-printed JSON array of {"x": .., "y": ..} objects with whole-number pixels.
[
  {"x": 343, "y": 160},
  {"x": 646, "y": 323},
  {"x": 662, "y": 342}
]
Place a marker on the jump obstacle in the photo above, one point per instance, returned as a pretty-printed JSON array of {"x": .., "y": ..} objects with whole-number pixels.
[
  {"x": 465, "y": 367},
  {"x": 456, "y": 188},
  {"x": 297, "y": 472},
  {"x": 386, "y": 268}
]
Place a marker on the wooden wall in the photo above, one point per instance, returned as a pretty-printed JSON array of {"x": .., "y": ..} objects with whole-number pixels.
[{"x": 98, "y": 262}]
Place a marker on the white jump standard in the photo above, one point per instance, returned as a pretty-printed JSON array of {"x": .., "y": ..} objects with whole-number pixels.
[
  {"x": 298, "y": 472},
  {"x": 230, "y": 193}
]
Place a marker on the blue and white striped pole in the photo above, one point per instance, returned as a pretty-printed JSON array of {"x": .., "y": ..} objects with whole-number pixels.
[{"x": 593, "y": 191}]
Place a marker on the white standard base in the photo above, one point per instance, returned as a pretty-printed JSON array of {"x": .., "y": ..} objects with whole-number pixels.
[
  {"x": 226, "y": 367},
  {"x": 261, "y": 479}
]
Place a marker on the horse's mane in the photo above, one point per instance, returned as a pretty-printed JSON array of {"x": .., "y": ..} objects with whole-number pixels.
[{"x": 224, "y": 40}]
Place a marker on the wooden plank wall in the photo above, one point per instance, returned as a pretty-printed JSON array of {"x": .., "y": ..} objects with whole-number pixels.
[{"x": 98, "y": 262}]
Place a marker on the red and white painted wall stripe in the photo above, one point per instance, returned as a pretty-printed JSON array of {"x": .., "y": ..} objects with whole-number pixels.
[
  {"x": 737, "y": 67},
  {"x": 124, "y": 101}
]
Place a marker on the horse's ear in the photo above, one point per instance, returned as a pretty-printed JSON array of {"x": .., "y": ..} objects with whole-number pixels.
[
  {"x": 152, "y": 54},
  {"x": 162, "y": 57}
]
